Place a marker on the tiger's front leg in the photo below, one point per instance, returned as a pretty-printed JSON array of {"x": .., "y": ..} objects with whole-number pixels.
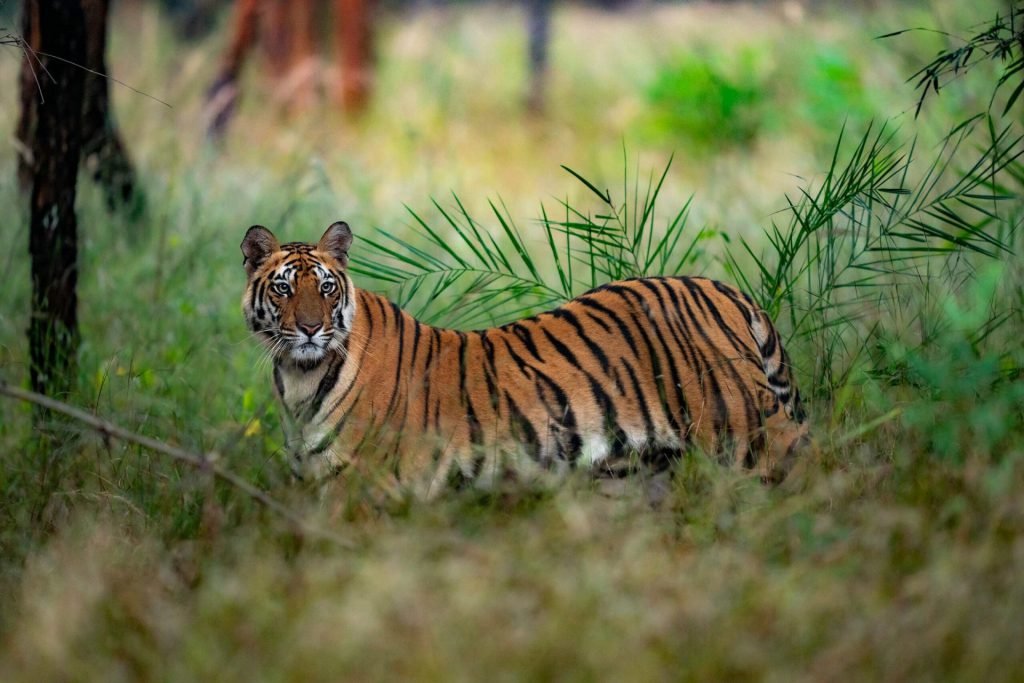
[{"x": 313, "y": 452}]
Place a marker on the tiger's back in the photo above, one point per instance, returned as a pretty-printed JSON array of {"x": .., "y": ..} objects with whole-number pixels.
[{"x": 632, "y": 371}]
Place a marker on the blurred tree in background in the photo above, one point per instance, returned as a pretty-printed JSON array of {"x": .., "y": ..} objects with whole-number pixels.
[
  {"x": 287, "y": 32},
  {"x": 103, "y": 152}
]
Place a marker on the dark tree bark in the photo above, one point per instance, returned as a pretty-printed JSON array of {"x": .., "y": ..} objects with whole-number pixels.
[
  {"x": 103, "y": 151},
  {"x": 59, "y": 26}
]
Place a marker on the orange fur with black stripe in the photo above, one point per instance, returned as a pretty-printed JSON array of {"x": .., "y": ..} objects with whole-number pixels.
[{"x": 631, "y": 372}]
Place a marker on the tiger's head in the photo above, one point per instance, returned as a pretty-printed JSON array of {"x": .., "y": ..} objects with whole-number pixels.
[{"x": 299, "y": 300}]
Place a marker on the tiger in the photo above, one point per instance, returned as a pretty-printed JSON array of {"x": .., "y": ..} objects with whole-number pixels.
[{"x": 633, "y": 373}]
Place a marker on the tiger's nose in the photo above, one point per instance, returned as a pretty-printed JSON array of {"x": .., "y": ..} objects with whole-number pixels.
[{"x": 310, "y": 330}]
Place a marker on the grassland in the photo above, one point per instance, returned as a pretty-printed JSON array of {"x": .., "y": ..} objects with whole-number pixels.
[{"x": 898, "y": 554}]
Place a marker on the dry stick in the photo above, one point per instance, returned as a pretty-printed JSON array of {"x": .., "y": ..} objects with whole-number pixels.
[{"x": 199, "y": 461}]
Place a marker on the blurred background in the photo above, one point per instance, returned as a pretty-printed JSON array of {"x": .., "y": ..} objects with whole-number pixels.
[{"x": 396, "y": 102}]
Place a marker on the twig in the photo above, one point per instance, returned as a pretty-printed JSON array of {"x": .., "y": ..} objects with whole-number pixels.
[
  {"x": 200, "y": 461},
  {"x": 101, "y": 75},
  {"x": 18, "y": 41}
]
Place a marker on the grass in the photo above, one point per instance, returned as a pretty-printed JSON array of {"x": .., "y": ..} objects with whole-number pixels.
[{"x": 892, "y": 268}]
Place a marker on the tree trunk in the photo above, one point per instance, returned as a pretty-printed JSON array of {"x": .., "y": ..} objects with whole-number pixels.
[
  {"x": 276, "y": 37},
  {"x": 222, "y": 97},
  {"x": 353, "y": 21},
  {"x": 55, "y": 149},
  {"x": 103, "y": 152}
]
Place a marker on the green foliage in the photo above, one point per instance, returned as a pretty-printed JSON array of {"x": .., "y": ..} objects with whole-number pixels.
[
  {"x": 696, "y": 97},
  {"x": 1001, "y": 40},
  {"x": 969, "y": 397},
  {"x": 881, "y": 224},
  {"x": 710, "y": 98}
]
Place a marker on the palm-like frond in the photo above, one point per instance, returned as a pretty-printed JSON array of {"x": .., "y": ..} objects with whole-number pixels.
[
  {"x": 462, "y": 273},
  {"x": 1001, "y": 40}
]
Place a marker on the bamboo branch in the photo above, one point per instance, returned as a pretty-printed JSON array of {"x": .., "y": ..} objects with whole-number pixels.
[{"x": 200, "y": 461}]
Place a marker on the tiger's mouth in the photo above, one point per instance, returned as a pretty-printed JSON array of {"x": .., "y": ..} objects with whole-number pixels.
[
  {"x": 309, "y": 350},
  {"x": 303, "y": 348}
]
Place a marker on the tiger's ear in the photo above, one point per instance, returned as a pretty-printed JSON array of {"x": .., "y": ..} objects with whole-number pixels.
[
  {"x": 336, "y": 242},
  {"x": 259, "y": 243}
]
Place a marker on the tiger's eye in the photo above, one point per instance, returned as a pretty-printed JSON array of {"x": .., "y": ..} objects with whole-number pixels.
[
  {"x": 282, "y": 288},
  {"x": 328, "y": 288}
]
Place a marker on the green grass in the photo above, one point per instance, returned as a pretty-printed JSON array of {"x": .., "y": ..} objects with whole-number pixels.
[{"x": 897, "y": 554}]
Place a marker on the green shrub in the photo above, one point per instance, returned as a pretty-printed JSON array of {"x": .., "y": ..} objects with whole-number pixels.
[
  {"x": 968, "y": 398},
  {"x": 698, "y": 97},
  {"x": 708, "y": 98}
]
